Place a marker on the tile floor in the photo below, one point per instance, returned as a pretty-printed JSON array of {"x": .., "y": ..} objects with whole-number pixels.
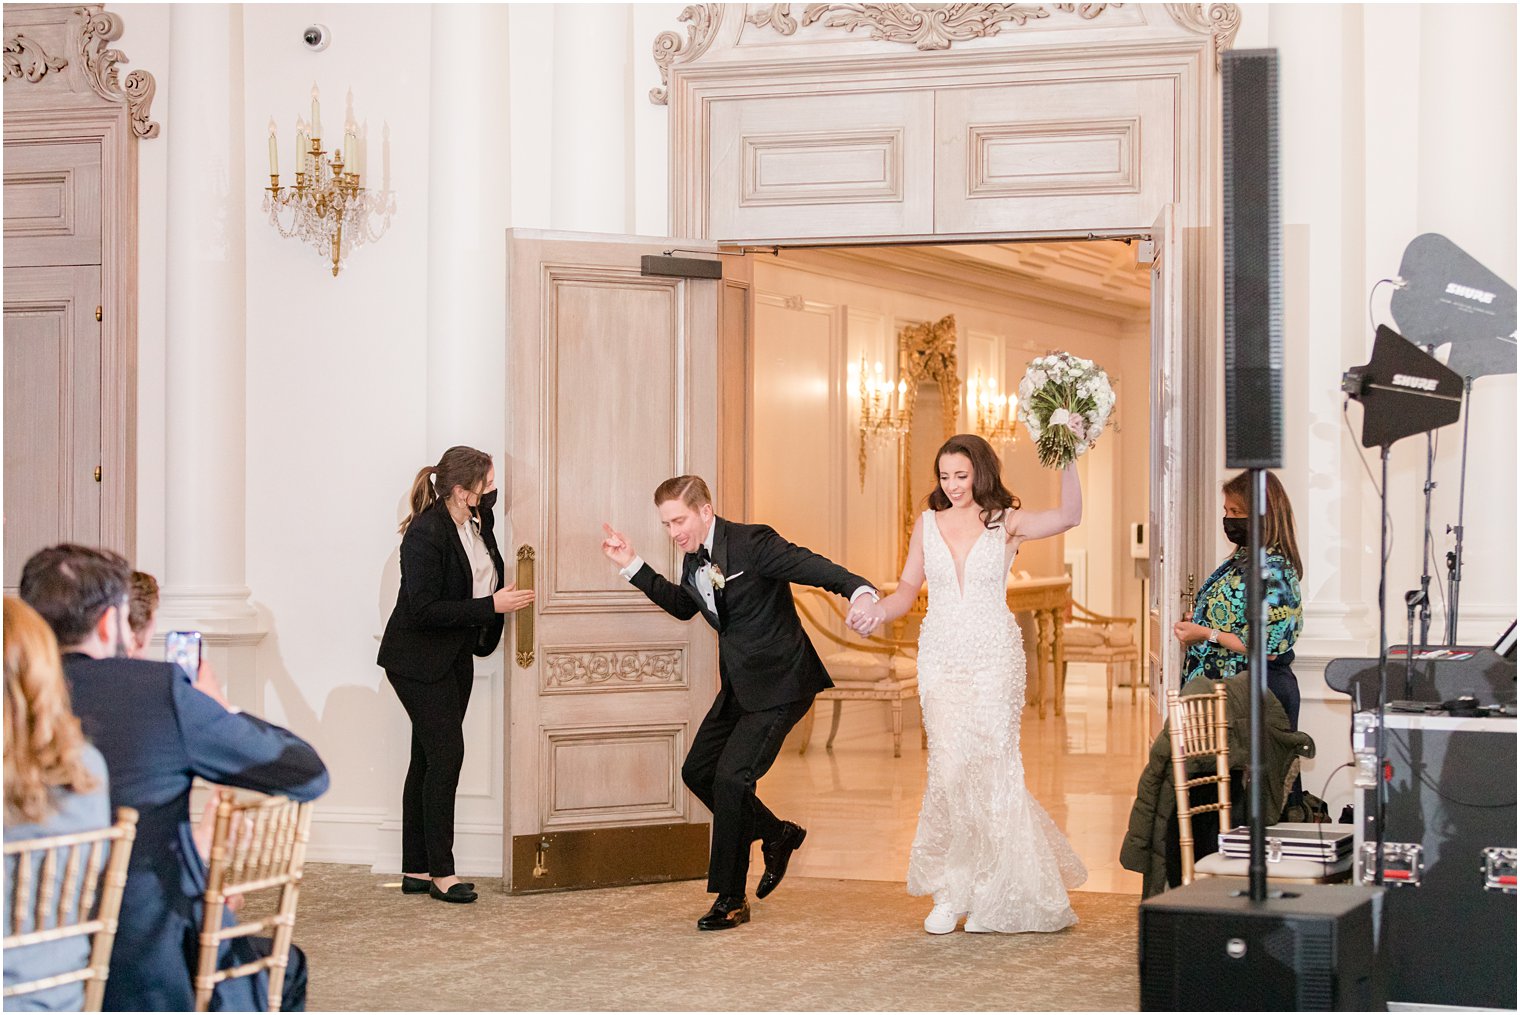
[{"x": 860, "y": 804}]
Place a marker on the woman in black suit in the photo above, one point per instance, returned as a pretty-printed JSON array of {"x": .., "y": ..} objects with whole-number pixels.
[{"x": 450, "y": 609}]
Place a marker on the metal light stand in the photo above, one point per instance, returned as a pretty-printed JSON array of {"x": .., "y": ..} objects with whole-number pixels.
[
  {"x": 1256, "y": 650},
  {"x": 1454, "y": 557}
]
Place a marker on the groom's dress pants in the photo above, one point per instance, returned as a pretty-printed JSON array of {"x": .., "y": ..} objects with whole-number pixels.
[{"x": 731, "y": 751}]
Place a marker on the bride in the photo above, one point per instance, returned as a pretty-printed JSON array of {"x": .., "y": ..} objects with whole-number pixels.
[{"x": 985, "y": 848}]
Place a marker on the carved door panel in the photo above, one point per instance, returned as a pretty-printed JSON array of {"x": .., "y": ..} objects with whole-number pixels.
[
  {"x": 52, "y": 411},
  {"x": 1176, "y": 479},
  {"x": 52, "y": 203},
  {"x": 614, "y": 388}
]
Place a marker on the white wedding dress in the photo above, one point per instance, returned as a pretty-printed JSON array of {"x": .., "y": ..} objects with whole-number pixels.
[{"x": 984, "y": 845}]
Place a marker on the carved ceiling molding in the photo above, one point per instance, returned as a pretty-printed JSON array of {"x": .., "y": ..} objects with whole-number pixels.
[
  {"x": 99, "y": 27},
  {"x": 87, "y": 61},
  {"x": 926, "y": 27},
  {"x": 670, "y": 48},
  {"x": 1221, "y": 21},
  {"x": 26, "y": 59}
]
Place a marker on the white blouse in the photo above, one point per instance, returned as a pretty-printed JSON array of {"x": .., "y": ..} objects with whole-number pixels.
[{"x": 482, "y": 569}]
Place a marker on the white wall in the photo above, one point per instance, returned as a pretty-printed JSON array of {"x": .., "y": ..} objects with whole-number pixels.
[{"x": 1396, "y": 121}]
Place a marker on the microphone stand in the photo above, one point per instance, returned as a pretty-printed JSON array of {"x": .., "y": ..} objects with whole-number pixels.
[{"x": 1454, "y": 557}]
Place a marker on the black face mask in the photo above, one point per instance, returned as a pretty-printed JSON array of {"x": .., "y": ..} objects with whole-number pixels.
[
  {"x": 488, "y": 500},
  {"x": 1237, "y": 530}
]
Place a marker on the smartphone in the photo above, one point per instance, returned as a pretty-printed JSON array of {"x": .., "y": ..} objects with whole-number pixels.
[{"x": 184, "y": 647}]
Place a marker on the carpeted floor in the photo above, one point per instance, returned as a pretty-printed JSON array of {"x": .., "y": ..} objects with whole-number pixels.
[{"x": 815, "y": 944}]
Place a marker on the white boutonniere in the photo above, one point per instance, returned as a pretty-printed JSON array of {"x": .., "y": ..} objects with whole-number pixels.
[{"x": 719, "y": 579}]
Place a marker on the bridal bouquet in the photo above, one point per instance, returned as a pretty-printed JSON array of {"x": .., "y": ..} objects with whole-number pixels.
[{"x": 1065, "y": 403}]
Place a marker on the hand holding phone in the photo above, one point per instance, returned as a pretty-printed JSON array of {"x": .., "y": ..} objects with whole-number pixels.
[{"x": 184, "y": 647}]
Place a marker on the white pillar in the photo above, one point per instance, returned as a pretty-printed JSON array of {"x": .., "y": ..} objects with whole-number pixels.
[
  {"x": 591, "y": 149},
  {"x": 468, "y": 201},
  {"x": 205, "y": 584}
]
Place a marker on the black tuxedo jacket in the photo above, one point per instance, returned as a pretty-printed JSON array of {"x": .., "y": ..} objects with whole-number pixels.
[
  {"x": 764, "y": 656},
  {"x": 436, "y": 614}
]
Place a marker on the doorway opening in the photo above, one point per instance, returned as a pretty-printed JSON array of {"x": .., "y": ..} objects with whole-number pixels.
[{"x": 823, "y": 319}]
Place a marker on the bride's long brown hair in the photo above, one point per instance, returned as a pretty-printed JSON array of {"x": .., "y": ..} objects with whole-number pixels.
[{"x": 987, "y": 487}]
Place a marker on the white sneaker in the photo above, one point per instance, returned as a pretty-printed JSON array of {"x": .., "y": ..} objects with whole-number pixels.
[
  {"x": 942, "y": 919},
  {"x": 972, "y": 927}
]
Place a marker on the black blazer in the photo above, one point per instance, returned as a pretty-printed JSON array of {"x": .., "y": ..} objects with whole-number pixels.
[
  {"x": 436, "y": 616},
  {"x": 157, "y": 733},
  {"x": 764, "y": 656}
]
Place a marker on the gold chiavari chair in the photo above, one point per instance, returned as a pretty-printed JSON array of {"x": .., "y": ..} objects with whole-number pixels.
[
  {"x": 63, "y": 886},
  {"x": 257, "y": 845},
  {"x": 1200, "y": 728}
]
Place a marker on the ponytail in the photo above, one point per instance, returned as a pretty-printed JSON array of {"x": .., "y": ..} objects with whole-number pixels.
[
  {"x": 459, "y": 466},
  {"x": 422, "y": 496}
]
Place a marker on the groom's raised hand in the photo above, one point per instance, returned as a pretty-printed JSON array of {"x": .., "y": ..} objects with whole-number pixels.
[{"x": 616, "y": 547}]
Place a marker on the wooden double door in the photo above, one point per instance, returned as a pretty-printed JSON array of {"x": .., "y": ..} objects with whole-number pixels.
[{"x": 618, "y": 381}]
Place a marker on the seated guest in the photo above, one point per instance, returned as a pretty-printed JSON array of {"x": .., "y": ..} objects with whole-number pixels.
[
  {"x": 55, "y": 784},
  {"x": 157, "y": 732},
  {"x": 142, "y": 612}
]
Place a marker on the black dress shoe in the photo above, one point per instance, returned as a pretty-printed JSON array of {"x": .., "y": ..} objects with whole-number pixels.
[
  {"x": 728, "y": 911},
  {"x": 419, "y": 886},
  {"x": 456, "y": 893},
  {"x": 777, "y": 855}
]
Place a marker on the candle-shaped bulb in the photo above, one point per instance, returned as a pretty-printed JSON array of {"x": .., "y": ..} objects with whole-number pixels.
[
  {"x": 274, "y": 154},
  {"x": 316, "y": 114},
  {"x": 348, "y": 149},
  {"x": 879, "y": 368}
]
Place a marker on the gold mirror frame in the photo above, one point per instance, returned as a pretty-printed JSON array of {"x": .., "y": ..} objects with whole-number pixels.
[{"x": 925, "y": 352}]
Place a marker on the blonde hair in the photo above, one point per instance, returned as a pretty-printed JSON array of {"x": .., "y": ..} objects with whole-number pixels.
[{"x": 43, "y": 739}]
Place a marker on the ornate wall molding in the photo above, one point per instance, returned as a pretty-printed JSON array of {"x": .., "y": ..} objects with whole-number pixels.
[
  {"x": 1221, "y": 21},
  {"x": 669, "y": 47},
  {"x": 926, "y": 28},
  {"x": 99, "y": 27},
  {"x": 88, "y": 63},
  {"x": 615, "y": 669},
  {"x": 26, "y": 59}
]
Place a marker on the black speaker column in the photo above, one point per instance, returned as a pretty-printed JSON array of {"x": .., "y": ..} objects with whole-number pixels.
[{"x": 1252, "y": 263}]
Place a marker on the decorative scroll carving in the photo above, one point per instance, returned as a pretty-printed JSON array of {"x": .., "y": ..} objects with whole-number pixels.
[
  {"x": 669, "y": 47},
  {"x": 926, "y": 355},
  {"x": 98, "y": 28},
  {"x": 777, "y": 16},
  {"x": 1085, "y": 11},
  {"x": 1221, "y": 21},
  {"x": 928, "y": 28},
  {"x": 25, "y": 58},
  {"x": 594, "y": 670}
]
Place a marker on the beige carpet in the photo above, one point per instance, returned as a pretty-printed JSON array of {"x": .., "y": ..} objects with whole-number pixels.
[{"x": 815, "y": 944}]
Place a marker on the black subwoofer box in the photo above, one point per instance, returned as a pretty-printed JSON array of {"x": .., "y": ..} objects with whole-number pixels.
[{"x": 1208, "y": 947}]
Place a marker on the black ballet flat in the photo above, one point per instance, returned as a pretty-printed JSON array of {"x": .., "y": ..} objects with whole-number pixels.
[
  {"x": 419, "y": 886},
  {"x": 456, "y": 893}
]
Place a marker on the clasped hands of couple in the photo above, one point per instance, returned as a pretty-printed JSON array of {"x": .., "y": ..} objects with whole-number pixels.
[{"x": 865, "y": 616}]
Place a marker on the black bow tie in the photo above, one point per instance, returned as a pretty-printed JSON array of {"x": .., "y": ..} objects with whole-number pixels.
[{"x": 703, "y": 557}]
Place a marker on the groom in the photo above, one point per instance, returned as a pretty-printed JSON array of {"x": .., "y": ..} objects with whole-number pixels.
[{"x": 738, "y": 577}]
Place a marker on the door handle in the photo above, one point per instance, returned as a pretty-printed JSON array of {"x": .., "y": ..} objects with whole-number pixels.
[{"x": 524, "y": 619}]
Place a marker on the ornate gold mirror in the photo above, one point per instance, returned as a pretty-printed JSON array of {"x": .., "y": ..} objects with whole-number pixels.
[{"x": 926, "y": 361}]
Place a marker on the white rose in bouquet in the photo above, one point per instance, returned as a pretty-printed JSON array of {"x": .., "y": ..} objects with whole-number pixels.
[{"x": 1064, "y": 403}]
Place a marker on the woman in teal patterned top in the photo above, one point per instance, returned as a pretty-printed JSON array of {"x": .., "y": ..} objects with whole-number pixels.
[{"x": 1216, "y": 636}]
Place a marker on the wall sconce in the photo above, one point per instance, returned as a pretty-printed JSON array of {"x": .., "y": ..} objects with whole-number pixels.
[
  {"x": 328, "y": 206},
  {"x": 995, "y": 413},
  {"x": 883, "y": 415}
]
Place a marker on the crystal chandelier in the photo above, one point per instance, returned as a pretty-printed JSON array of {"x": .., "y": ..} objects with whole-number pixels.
[
  {"x": 883, "y": 415},
  {"x": 328, "y": 206},
  {"x": 996, "y": 414}
]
